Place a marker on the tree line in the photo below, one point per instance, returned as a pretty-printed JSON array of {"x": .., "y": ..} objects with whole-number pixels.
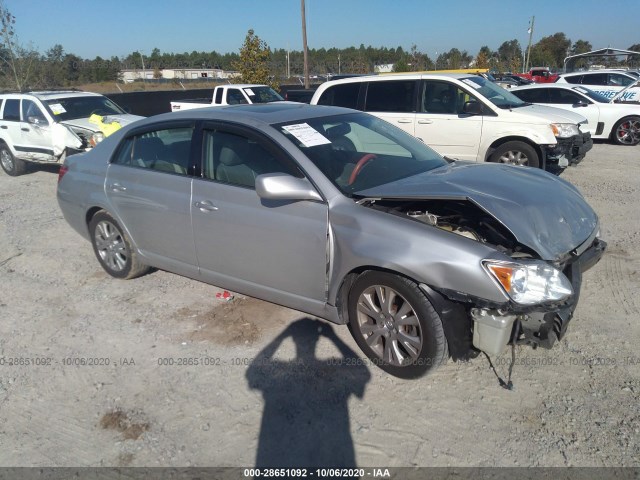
[{"x": 23, "y": 67}]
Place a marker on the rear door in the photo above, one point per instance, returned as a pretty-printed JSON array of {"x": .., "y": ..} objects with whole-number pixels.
[
  {"x": 149, "y": 187},
  {"x": 11, "y": 126}
]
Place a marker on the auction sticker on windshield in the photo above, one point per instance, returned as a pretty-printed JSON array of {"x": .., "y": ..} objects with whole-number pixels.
[
  {"x": 308, "y": 136},
  {"x": 57, "y": 109}
]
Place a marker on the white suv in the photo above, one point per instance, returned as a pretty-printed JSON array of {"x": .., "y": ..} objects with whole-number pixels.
[
  {"x": 466, "y": 117},
  {"x": 45, "y": 127}
]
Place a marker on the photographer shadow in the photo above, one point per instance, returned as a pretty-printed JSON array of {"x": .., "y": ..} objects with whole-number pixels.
[{"x": 305, "y": 422}]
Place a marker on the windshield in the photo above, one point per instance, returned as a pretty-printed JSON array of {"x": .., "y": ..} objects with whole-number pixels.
[
  {"x": 358, "y": 151},
  {"x": 595, "y": 96},
  {"x": 494, "y": 93},
  {"x": 82, "y": 107},
  {"x": 262, "y": 94}
]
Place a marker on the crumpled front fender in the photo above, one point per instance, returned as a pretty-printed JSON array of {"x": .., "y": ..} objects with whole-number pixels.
[{"x": 63, "y": 138}]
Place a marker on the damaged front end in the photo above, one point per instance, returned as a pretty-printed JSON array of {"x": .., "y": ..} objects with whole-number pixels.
[
  {"x": 568, "y": 151},
  {"x": 541, "y": 281}
]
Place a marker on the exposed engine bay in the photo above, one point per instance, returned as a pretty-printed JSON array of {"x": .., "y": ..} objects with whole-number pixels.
[{"x": 461, "y": 217}]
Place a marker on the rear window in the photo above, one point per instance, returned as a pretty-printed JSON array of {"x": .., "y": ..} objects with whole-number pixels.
[
  {"x": 12, "y": 110},
  {"x": 345, "y": 95},
  {"x": 536, "y": 95}
]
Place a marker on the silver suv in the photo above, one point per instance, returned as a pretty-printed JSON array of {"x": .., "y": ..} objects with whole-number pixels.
[{"x": 45, "y": 127}]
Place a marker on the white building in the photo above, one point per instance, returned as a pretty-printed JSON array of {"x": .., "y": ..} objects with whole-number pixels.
[{"x": 131, "y": 75}]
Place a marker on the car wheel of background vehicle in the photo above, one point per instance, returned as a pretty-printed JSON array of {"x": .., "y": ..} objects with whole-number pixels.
[
  {"x": 626, "y": 131},
  {"x": 516, "y": 153},
  {"x": 113, "y": 248},
  {"x": 395, "y": 325},
  {"x": 11, "y": 165}
]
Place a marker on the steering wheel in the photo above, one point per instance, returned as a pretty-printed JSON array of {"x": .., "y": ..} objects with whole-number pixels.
[{"x": 358, "y": 168}]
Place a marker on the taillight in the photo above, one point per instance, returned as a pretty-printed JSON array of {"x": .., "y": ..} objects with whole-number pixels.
[{"x": 63, "y": 169}]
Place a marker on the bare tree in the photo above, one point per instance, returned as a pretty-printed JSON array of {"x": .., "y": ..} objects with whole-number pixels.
[{"x": 16, "y": 58}]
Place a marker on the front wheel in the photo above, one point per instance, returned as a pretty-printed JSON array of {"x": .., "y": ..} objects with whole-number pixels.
[
  {"x": 516, "y": 153},
  {"x": 113, "y": 248},
  {"x": 626, "y": 131},
  {"x": 395, "y": 325},
  {"x": 11, "y": 165}
]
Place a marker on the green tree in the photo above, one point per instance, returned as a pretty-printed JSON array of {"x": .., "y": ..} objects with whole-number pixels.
[
  {"x": 253, "y": 63},
  {"x": 580, "y": 46},
  {"x": 510, "y": 56},
  {"x": 482, "y": 59},
  {"x": 550, "y": 51}
]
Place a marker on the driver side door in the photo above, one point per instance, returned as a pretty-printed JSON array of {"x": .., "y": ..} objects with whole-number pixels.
[{"x": 36, "y": 136}]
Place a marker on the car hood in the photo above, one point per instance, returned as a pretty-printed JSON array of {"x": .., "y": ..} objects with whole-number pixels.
[
  {"x": 123, "y": 119},
  {"x": 543, "y": 212},
  {"x": 552, "y": 114}
]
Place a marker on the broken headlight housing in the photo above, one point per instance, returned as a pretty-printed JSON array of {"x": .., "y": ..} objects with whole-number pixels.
[
  {"x": 96, "y": 138},
  {"x": 565, "y": 130},
  {"x": 529, "y": 282}
]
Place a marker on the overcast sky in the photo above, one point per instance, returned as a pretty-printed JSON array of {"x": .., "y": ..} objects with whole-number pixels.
[{"x": 91, "y": 28}]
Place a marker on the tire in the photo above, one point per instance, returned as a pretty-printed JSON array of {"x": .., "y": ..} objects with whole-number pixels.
[
  {"x": 406, "y": 346},
  {"x": 516, "y": 153},
  {"x": 626, "y": 131},
  {"x": 113, "y": 248},
  {"x": 11, "y": 165}
]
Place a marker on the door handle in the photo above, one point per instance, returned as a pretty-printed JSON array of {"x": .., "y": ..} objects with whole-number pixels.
[
  {"x": 116, "y": 187},
  {"x": 4, "y": 127},
  {"x": 404, "y": 120},
  {"x": 24, "y": 129},
  {"x": 425, "y": 122},
  {"x": 205, "y": 206}
]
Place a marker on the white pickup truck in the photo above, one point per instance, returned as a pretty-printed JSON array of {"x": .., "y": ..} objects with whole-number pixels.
[{"x": 234, "y": 94}]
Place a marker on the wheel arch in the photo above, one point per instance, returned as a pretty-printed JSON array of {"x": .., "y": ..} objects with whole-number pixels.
[
  {"x": 455, "y": 321},
  {"x": 513, "y": 138}
]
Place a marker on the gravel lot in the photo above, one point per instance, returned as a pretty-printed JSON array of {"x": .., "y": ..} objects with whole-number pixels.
[{"x": 163, "y": 371}]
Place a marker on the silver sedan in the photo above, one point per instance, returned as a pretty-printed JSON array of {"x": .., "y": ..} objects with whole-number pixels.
[{"x": 341, "y": 215}]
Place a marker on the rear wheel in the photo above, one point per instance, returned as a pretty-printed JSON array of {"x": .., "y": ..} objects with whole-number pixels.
[
  {"x": 395, "y": 325},
  {"x": 113, "y": 248},
  {"x": 626, "y": 131},
  {"x": 11, "y": 165},
  {"x": 516, "y": 153}
]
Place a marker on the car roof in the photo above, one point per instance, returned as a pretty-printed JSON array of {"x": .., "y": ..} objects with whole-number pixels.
[
  {"x": 50, "y": 95},
  {"x": 594, "y": 72},
  {"x": 400, "y": 76},
  {"x": 264, "y": 113},
  {"x": 565, "y": 86}
]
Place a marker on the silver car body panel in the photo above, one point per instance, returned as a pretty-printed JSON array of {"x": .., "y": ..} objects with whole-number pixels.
[{"x": 297, "y": 254}]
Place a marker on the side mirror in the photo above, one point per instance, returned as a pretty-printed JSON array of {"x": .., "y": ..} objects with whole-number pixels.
[
  {"x": 472, "y": 108},
  {"x": 37, "y": 121},
  {"x": 281, "y": 186},
  {"x": 580, "y": 103}
]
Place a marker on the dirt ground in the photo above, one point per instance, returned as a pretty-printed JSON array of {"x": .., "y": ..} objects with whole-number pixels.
[{"x": 164, "y": 371}]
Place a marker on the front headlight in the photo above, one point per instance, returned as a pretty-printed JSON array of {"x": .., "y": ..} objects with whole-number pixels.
[
  {"x": 529, "y": 282},
  {"x": 565, "y": 130},
  {"x": 96, "y": 138}
]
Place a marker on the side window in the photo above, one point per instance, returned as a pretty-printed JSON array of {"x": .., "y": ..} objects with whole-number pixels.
[
  {"x": 31, "y": 113},
  {"x": 238, "y": 160},
  {"x": 345, "y": 95},
  {"x": 390, "y": 96},
  {"x": 165, "y": 150},
  {"x": 235, "y": 97},
  {"x": 537, "y": 95},
  {"x": 563, "y": 97},
  {"x": 443, "y": 97},
  {"x": 12, "y": 110},
  {"x": 618, "y": 80},
  {"x": 574, "y": 79},
  {"x": 218, "y": 99},
  {"x": 595, "y": 79}
]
